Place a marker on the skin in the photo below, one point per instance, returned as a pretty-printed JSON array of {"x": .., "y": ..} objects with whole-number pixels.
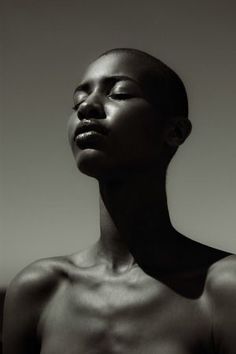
[{"x": 143, "y": 287}]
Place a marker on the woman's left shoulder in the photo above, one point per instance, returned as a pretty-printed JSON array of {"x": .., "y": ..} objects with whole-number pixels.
[{"x": 221, "y": 280}]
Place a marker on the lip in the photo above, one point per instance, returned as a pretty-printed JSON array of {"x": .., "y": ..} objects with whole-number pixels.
[
  {"x": 90, "y": 127},
  {"x": 90, "y": 139}
]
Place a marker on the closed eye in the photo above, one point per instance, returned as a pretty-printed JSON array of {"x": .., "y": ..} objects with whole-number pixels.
[{"x": 121, "y": 96}]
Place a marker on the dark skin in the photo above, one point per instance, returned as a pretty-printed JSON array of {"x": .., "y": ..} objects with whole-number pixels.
[{"x": 143, "y": 287}]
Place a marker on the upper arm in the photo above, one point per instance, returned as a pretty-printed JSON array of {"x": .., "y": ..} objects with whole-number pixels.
[
  {"x": 222, "y": 294},
  {"x": 24, "y": 302}
]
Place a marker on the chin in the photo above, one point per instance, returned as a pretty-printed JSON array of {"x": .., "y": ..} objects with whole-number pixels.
[{"x": 92, "y": 163}]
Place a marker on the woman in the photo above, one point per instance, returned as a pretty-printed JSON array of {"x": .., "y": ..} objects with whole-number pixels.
[{"x": 143, "y": 287}]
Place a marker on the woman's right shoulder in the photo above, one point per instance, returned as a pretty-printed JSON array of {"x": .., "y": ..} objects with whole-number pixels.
[
  {"x": 39, "y": 279},
  {"x": 26, "y": 296}
]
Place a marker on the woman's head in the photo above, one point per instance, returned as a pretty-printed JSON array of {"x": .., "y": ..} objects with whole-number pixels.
[{"x": 138, "y": 104}]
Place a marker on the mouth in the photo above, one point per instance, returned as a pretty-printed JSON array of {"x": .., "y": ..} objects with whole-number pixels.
[
  {"x": 89, "y": 128},
  {"x": 89, "y": 134}
]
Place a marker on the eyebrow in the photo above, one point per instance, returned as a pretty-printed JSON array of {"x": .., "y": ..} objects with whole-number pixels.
[{"x": 106, "y": 80}]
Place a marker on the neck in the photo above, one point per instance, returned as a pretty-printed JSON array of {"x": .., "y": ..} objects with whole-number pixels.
[
  {"x": 136, "y": 228},
  {"x": 135, "y": 222}
]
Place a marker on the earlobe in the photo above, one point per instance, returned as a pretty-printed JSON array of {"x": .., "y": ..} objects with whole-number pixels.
[{"x": 178, "y": 131}]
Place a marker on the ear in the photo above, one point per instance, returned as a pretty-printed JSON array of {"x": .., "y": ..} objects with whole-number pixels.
[{"x": 178, "y": 130}]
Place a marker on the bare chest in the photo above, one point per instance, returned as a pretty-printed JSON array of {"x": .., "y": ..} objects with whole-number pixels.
[{"x": 111, "y": 318}]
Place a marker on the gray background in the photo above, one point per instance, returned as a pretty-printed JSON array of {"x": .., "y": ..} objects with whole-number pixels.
[{"x": 48, "y": 208}]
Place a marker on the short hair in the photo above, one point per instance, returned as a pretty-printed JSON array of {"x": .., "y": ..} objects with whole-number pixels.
[{"x": 164, "y": 88}]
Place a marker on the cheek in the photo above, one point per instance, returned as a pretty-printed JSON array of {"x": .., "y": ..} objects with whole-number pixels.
[{"x": 135, "y": 128}]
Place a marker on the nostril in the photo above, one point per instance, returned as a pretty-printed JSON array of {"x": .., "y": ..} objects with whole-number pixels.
[
  {"x": 89, "y": 110},
  {"x": 80, "y": 114}
]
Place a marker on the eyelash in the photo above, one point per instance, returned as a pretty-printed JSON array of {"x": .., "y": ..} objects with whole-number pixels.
[{"x": 118, "y": 96}]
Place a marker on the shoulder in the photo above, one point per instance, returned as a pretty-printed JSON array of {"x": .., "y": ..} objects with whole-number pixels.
[
  {"x": 220, "y": 293},
  {"x": 221, "y": 279},
  {"x": 43, "y": 275},
  {"x": 33, "y": 286},
  {"x": 26, "y": 295}
]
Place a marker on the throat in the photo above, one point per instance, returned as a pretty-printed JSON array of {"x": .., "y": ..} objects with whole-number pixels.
[
  {"x": 115, "y": 254},
  {"x": 134, "y": 221}
]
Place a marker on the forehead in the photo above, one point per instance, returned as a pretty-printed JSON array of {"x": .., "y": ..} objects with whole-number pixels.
[{"x": 116, "y": 64}]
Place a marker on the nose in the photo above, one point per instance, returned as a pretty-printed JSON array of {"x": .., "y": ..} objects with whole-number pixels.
[{"x": 92, "y": 107}]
